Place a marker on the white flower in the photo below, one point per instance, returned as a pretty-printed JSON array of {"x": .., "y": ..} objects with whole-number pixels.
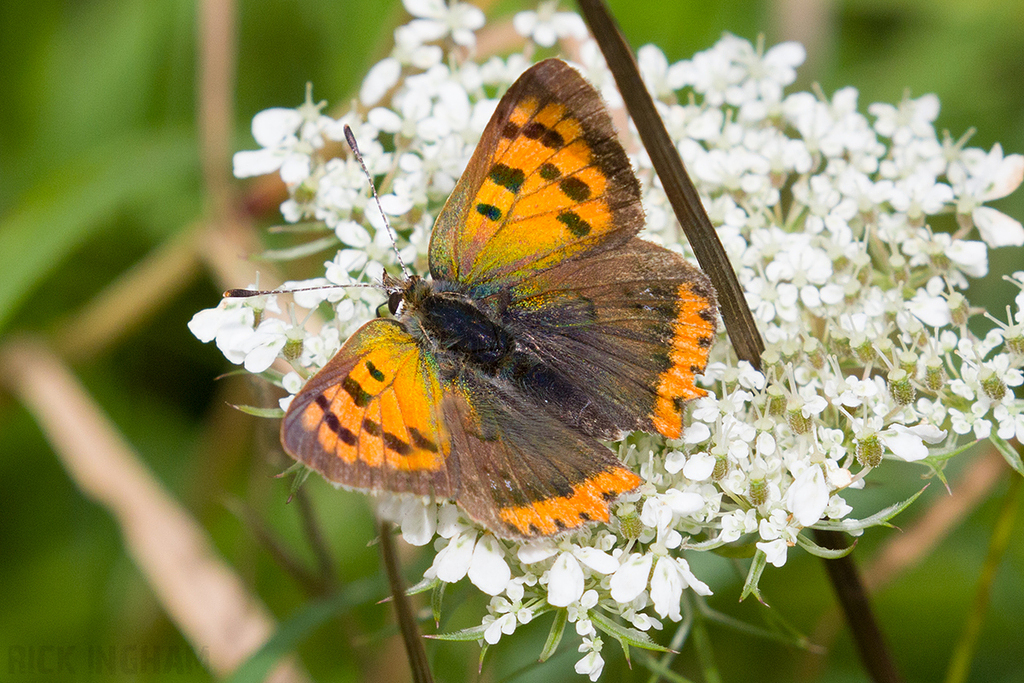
[
  {"x": 661, "y": 79},
  {"x": 438, "y": 19},
  {"x": 907, "y": 443},
  {"x": 452, "y": 563},
  {"x": 592, "y": 664},
  {"x": 488, "y": 569},
  {"x": 546, "y": 26},
  {"x": 807, "y": 496},
  {"x": 565, "y": 581},
  {"x": 630, "y": 579},
  {"x": 671, "y": 576},
  {"x": 775, "y": 551},
  {"x": 979, "y": 178}
]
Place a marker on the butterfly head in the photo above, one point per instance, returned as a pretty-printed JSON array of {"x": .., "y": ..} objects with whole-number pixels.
[{"x": 405, "y": 294}]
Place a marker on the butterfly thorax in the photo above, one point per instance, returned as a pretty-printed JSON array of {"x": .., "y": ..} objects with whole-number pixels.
[{"x": 453, "y": 327}]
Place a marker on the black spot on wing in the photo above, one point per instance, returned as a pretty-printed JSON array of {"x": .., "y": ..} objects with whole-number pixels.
[
  {"x": 547, "y": 137},
  {"x": 331, "y": 420},
  {"x": 488, "y": 211},
  {"x": 575, "y": 189},
  {"x": 506, "y": 176},
  {"x": 576, "y": 225},
  {"x": 396, "y": 444},
  {"x": 354, "y": 389},
  {"x": 549, "y": 171},
  {"x": 374, "y": 372},
  {"x": 422, "y": 442}
]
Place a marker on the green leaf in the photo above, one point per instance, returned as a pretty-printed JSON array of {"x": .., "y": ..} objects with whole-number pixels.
[
  {"x": 754, "y": 576},
  {"x": 436, "y": 599},
  {"x": 471, "y": 634},
  {"x": 555, "y": 634},
  {"x": 880, "y": 518},
  {"x": 423, "y": 586},
  {"x": 1010, "y": 455},
  {"x": 295, "y": 630},
  {"x": 624, "y": 634},
  {"x": 826, "y": 553},
  {"x": 275, "y": 413}
]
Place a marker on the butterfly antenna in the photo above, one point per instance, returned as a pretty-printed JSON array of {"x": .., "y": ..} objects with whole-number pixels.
[
  {"x": 351, "y": 139},
  {"x": 242, "y": 293}
]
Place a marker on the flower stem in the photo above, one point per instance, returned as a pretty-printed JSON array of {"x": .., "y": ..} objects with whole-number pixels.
[{"x": 403, "y": 610}]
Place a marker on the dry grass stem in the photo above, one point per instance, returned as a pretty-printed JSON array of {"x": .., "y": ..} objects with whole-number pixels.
[{"x": 200, "y": 593}]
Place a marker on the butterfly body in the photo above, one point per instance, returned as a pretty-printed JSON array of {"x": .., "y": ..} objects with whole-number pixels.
[{"x": 546, "y": 326}]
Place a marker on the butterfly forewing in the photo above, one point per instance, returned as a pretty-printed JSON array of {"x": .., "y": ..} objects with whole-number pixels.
[
  {"x": 371, "y": 418},
  {"x": 548, "y": 182}
]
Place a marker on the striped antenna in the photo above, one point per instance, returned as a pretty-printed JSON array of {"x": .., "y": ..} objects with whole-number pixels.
[
  {"x": 242, "y": 293},
  {"x": 350, "y": 138}
]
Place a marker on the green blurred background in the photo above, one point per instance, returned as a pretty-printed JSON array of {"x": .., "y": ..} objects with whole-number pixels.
[{"x": 100, "y": 167}]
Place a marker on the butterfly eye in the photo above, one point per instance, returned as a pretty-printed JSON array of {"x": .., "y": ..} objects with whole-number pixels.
[{"x": 395, "y": 302}]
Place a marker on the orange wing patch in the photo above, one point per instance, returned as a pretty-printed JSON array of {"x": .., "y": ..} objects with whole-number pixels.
[
  {"x": 543, "y": 183},
  {"x": 588, "y": 502},
  {"x": 381, "y": 412},
  {"x": 693, "y": 334}
]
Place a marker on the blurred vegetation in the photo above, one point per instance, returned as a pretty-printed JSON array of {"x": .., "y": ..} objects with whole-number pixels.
[{"x": 100, "y": 166}]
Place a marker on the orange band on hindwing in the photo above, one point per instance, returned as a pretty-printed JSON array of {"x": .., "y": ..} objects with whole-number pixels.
[
  {"x": 693, "y": 334},
  {"x": 588, "y": 502}
]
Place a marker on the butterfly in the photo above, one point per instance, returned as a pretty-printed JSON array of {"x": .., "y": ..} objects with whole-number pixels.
[{"x": 546, "y": 326}]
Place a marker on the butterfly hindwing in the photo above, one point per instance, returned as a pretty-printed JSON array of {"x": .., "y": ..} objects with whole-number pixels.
[
  {"x": 629, "y": 327},
  {"x": 523, "y": 473},
  {"x": 371, "y": 419},
  {"x": 549, "y": 181}
]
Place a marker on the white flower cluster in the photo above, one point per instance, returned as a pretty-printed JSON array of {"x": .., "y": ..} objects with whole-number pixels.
[{"x": 828, "y": 217}]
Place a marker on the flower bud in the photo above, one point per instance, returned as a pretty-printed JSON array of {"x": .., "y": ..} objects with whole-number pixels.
[
  {"x": 771, "y": 363},
  {"x": 629, "y": 522},
  {"x": 993, "y": 385},
  {"x": 758, "y": 492},
  {"x": 863, "y": 350},
  {"x": 776, "y": 400},
  {"x": 934, "y": 374},
  {"x": 1014, "y": 338},
  {"x": 869, "y": 450},
  {"x": 721, "y": 467},
  {"x": 796, "y": 419},
  {"x": 900, "y": 388}
]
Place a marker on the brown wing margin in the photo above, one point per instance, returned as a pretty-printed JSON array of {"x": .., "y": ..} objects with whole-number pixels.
[{"x": 370, "y": 419}]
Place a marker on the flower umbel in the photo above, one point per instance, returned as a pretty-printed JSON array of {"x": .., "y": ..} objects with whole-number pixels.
[{"x": 829, "y": 218}]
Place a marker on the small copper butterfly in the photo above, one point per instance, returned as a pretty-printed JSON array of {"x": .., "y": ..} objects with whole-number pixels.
[{"x": 546, "y": 326}]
